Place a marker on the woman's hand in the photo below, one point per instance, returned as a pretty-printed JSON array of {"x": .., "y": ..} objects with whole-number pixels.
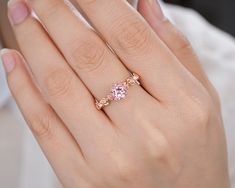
[{"x": 167, "y": 133}]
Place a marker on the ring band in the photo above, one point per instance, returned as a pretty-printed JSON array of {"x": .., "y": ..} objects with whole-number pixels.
[{"x": 118, "y": 92}]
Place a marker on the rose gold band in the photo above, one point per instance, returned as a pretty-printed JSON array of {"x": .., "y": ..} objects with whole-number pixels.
[{"x": 118, "y": 92}]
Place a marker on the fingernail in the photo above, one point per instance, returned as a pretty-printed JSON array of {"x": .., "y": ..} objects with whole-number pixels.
[
  {"x": 8, "y": 60},
  {"x": 18, "y": 11},
  {"x": 156, "y": 9}
]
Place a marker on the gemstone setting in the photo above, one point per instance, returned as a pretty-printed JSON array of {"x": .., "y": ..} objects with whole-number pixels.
[{"x": 119, "y": 92}]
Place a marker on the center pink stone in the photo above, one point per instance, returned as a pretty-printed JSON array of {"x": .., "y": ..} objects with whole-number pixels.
[{"x": 119, "y": 91}]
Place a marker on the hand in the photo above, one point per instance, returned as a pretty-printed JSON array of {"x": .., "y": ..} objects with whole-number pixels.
[{"x": 166, "y": 133}]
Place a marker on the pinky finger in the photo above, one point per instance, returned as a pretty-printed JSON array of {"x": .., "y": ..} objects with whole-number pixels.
[
  {"x": 172, "y": 37},
  {"x": 59, "y": 146},
  {"x": 176, "y": 42}
]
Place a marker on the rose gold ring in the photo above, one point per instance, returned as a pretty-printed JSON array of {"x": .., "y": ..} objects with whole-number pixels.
[{"x": 118, "y": 92}]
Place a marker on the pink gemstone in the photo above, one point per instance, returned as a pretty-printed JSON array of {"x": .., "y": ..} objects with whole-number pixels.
[{"x": 119, "y": 91}]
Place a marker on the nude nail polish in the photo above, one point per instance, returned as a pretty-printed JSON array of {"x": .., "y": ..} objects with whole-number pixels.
[
  {"x": 18, "y": 11},
  {"x": 8, "y": 60}
]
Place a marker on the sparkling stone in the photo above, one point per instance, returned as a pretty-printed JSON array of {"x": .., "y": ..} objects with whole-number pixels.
[{"x": 119, "y": 91}]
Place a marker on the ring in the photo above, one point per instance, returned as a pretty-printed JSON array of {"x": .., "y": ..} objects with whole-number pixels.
[{"x": 118, "y": 91}]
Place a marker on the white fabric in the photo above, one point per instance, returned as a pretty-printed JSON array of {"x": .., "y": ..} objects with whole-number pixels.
[
  {"x": 4, "y": 93},
  {"x": 22, "y": 164}
]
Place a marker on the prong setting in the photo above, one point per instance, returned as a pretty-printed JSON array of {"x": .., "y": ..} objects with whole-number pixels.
[{"x": 118, "y": 91}]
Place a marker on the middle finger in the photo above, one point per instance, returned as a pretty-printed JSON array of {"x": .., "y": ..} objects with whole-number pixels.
[{"x": 140, "y": 49}]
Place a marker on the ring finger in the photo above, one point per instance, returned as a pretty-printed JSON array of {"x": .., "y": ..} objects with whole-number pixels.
[{"x": 88, "y": 55}]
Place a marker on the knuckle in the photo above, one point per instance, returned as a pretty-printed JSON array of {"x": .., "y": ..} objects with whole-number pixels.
[
  {"x": 124, "y": 167},
  {"x": 58, "y": 83},
  {"x": 200, "y": 110},
  {"x": 88, "y": 56},
  {"x": 198, "y": 118},
  {"x": 133, "y": 37},
  {"x": 183, "y": 45},
  {"x": 157, "y": 147},
  {"x": 41, "y": 124},
  {"x": 159, "y": 152},
  {"x": 125, "y": 171},
  {"x": 181, "y": 42},
  {"x": 216, "y": 98}
]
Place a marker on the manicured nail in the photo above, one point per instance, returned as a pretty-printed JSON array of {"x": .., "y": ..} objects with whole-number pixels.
[
  {"x": 18, "y": 11},
  {"x": 156, "y": 9},
  {"x": 8, "y": 60}
]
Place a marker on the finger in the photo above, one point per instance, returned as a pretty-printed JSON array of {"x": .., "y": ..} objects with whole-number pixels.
[
  {"x": 174, "y": 39},
  {"x": 139, "y": 47},
  {"x": 87, "y": 54},
  {"x": 61, "y": 87},
  {"x": 57, "y": 143}
]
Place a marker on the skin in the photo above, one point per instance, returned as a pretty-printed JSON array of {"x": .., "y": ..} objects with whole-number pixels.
[
  {"x": 6, "y": 34},
  {"x": 167, "y": 133}
]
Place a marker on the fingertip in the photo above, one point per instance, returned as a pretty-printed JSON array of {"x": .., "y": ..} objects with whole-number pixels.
[
  {"x": 18, "y": 11},
  {"x": 8, "y": 60}
]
